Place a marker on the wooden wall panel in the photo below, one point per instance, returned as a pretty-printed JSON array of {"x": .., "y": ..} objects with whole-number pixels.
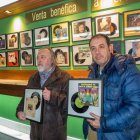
[{"x": 17, "y": 89}]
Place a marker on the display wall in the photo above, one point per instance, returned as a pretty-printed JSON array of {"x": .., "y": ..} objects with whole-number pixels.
[{"x": 124, "y": 35}]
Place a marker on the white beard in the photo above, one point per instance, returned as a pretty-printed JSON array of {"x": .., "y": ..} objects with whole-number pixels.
[{"x": 41, "y": 68}]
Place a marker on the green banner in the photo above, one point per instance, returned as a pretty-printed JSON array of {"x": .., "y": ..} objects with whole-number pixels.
[
  {"x": 103, "y": 4},
  {"x": 73, "y": 7}
]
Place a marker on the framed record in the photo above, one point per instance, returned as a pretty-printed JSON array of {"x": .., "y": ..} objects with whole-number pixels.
[
  {"x": 12, "y": 41},
  {"x": 62, "y": 55},
  {"x": 81, "y": 29},
  {"x": 108, "y": 24},
  {"x": 2, "y": 42},
  {"x": 81, "y": 55},
  {"x": 132, "y": 47},
  {"x": 26, "y": 39},
  {"x": 33, "y": 104},
  {"x": 132, "y": 23},
  {"x": 60, "y": 32},
  {"x": 42, "y": 36},
  {"x": 85, "y": 96}
]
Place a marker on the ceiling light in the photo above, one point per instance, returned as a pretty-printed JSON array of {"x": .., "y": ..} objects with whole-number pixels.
[
  {"x": 8, "y": 12},
  {"x": 6, "y": 2}
]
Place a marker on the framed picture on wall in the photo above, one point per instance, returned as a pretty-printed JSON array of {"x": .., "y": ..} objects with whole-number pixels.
[
  {"x": 60, "y": 32},
  {"x": 41, "y": 36},
  {"x": 26, "y": 57},
  {"x": 132, "y": 47},
  {"x": 132, "y": 23},
  {"x": 33, "y": 104},
  {"x": 13, "y": 58},
  {"x": 12, "y": 41},
  {"x": 81, "y": 55},
  {"x": 2, "y": 42},
  {"x": 2, "y": 59},
  {"x": 81, "y": 29},
  {"x": 62, "y": 55},
  {"x": 117, "y": 46},
  {"x": 108, "y": 24},
  {"x": 26, "y": 39},
  {"x": 85, "y": 96}
]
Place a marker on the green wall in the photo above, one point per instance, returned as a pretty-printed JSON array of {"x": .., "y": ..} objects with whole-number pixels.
[{"x": 8, "y": 104}]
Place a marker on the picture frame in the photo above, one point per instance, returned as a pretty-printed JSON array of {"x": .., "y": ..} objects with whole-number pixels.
[
  {"x": 81, "y": 29},
  {"x": 132, "y": 47},
  {"x": 2, "y": 42},
  {"x": 13, "y": 58},
  {"x": 12, "y": 41},
  {"x": 117, "y": 46},
  {"x": 26, "y": 57},
  {"x": 42, "y": 36},
  {"x": 85, "y": 96},
  {"x": 62, "y": 55},
  {"x": 2, "y": 59},
  {"x": 108, "y": 24},
  {"x": 60, "y": 32},
  {"x": 81, "y": 55},
  {"x": 33, "y": 103},
  {"x": 26, "y": 39},
  {"x": 132, "y": 23}
]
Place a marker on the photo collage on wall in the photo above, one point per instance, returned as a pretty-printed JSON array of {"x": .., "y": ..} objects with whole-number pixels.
[{"x": 20, "y": 48}]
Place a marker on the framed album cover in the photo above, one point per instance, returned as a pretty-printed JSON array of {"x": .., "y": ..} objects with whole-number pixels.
[
  {"x": 2, "y": 59},
  {"x": 85, "y": 96},
  {"x": 2, "y": 42},
  {"x": 108, "y": 24},
  {"x": 132, "y": 23},
  {"x": 26, "y": 39},
  {"x": 13, "y": 58},
  {"x": 60, "y": 32},
  {"x": 33, "y": 104},
  {"x": 81, "y": 29},
  {"x": 26, "y": 57},
  {"x": 81, "y": 55},
  {"x": 62, "y": 55},
  {"x": 12, "y": 41},
  {"x": 132, "y": 47},
  {"x": 41, "y": 36}
]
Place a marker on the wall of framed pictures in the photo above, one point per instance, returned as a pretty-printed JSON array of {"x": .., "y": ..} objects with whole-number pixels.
[{"x": 68, "y": 36}]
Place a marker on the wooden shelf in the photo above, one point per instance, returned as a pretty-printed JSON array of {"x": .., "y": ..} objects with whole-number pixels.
[{"x": 13, "y": 82}]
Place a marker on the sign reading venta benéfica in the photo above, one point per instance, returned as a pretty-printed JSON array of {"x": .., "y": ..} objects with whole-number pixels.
[
  {"x": 73, "y": 7},
  {"x": 102, "y": 4}
]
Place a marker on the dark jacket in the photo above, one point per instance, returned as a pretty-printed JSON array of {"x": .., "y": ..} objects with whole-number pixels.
[
  {"x": 53, "y": 126},
  {"x": 121, "y": 89}
]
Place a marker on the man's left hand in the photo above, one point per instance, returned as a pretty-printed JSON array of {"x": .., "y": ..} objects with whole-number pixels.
[{"x": 95, "y": 122}]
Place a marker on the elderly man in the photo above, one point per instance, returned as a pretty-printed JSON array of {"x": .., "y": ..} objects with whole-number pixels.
[{"x": 54, "y": 83}]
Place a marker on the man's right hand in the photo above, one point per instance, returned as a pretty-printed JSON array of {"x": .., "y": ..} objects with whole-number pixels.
[{"x": 21, "y": 116}]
